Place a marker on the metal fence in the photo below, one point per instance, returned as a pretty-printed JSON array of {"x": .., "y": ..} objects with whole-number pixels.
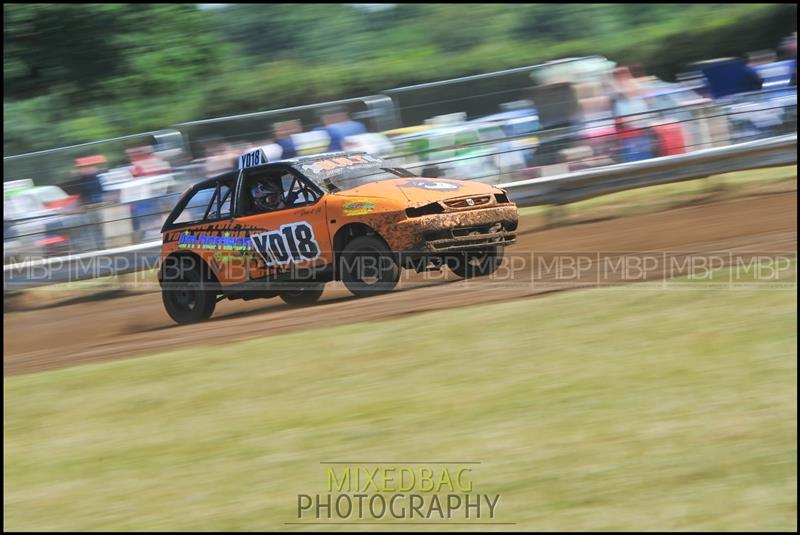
[
  {"x": 55, "y": 166},
  {"x": 561, "y": 189},
  {"x": 513, "y": 158},
  {"x": 377, "y": 111},
  {"x": 467, "y": 150},
  {"x": 574, "y": 187}
]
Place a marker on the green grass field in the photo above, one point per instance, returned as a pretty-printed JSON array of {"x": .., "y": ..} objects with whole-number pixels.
[{"x": 638, "y": 407}]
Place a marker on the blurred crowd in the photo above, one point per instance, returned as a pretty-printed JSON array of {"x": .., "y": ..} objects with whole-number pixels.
[
  {"x": 338, "y": 132},
  {"x": 579, "y": 113}
]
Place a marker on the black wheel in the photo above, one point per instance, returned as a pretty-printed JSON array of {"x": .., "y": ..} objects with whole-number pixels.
[
  {"x": 187, "y": 296},
  {"x": 479, "y": 263},
  {"x": 307, "y": 294},
  {"x": 368, "y": 267}
]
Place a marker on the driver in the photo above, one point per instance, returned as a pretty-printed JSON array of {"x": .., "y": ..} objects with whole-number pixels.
[{"x": 267, "y": 196}]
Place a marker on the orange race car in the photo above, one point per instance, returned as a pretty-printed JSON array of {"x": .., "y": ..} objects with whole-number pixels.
[{"x": 286, "y": 228}]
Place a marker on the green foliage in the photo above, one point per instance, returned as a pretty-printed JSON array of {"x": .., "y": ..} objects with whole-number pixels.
[
  {"x": 49, "y": 46},
  {"x": 75, "y": 72}
]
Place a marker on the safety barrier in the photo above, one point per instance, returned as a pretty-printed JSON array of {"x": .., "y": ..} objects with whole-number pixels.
[{"x": 557, "y": 190}]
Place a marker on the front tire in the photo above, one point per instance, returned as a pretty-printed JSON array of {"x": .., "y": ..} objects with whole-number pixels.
[
  {"x": 187, "y": 296},
  {"x": 470, "y": 264},
  {"x": 306, "y": 295},
  {"x": 368, "y": 267}
]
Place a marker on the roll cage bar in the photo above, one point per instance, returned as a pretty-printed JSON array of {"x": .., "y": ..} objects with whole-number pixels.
[{"x": 237, "y": 177}]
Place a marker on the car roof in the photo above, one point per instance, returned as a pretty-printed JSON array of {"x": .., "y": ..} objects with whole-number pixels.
[
  {"x": 277, "y": 163},
  {"x": 315, "y": 157}
]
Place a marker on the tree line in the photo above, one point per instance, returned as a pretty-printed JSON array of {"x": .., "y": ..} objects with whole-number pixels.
[{"x": 81, "y": 72}]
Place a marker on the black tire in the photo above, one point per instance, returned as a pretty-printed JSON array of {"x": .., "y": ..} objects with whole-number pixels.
[
  {"x": 368, "y": 267},
  {"x": 478, "y": 263},
  {"x": 307, "y": 294},
  {"x": 187, "y": 296}
]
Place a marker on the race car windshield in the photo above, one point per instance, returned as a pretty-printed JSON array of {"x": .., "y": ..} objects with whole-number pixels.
[
  {"x": 352, "y": 178},
  {"x": 350, "y": 175}
]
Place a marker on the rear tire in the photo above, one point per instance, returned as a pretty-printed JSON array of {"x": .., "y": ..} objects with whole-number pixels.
[
  {"x": 187, "y": 296},
  {"x": 470, "y": 264},
  {"x": 307, "y": 294},
  {"x": 368, "y": 267}
]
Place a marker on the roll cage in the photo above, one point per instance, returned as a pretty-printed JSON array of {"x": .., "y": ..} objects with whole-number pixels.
[{"x": 234, "y": 194}]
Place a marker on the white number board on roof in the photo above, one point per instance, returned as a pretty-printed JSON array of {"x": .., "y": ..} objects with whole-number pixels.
[{"x": 254, "y": 157}]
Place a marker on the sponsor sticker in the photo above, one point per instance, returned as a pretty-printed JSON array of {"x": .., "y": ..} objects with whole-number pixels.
[
  {"x": 226, "y": 242},
  {"x": 359, "y": 207}
]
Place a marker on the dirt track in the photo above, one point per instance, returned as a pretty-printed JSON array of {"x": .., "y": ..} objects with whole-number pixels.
[{"x": 137, "y": 325}]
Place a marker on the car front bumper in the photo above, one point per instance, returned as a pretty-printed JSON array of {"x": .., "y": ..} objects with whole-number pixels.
[{"x": 455, "y": 231}]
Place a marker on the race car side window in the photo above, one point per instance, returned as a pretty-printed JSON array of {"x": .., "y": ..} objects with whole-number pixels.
[
  {"x": 197, "y": 206},
  {"x": 295, "y": 191},
  {"x": 220, "y": 206},
  {"x": 209, "y": 203}
]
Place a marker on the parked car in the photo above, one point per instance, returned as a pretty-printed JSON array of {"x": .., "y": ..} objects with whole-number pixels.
[
  {"x": 43, "y": 221},
  {"x": 519, "y": 127},
  {"x": 476, "y": 149}
]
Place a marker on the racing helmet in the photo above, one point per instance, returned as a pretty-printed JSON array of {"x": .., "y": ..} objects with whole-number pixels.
[{"x": 265, "y": 195}]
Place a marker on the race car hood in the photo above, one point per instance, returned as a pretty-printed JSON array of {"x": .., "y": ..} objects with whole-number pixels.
[{"x": 418, "y": 191}]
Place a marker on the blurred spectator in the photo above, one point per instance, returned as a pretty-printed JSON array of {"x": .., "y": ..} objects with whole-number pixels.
[
  {"x": 788, "y": 48},
  {"x": 629, "y": 106},
  {"x": 788, "y": 51},
  {"x": 88, "y": 184},
  {"x": 220, "y": 157},
  {"x": 145, "y": 163},
  {"x": 284, "y": 131},
  {"x": 339, "y": 125},
  {"x": 146, "y": 195},
  {"x": 593, "y": 103},
  {"x": 90, "y": 189},
  {"x": 627, "y": 95}
]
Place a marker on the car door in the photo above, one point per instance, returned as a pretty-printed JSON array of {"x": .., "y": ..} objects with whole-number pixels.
[
  {"x": 288, "y": 239},
  {"x": 203, "y": 225}
]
